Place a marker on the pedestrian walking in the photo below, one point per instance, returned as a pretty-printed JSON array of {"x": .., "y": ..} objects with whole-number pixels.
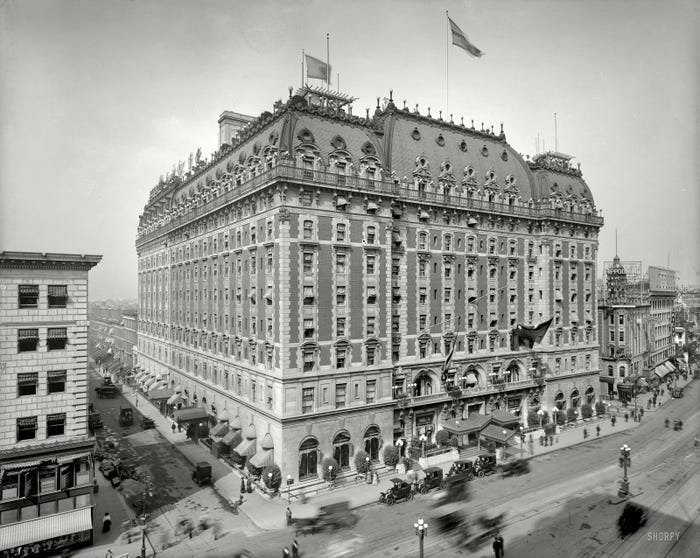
[
  {"x": 662, "y": 393},
  {"x": 498, "y": 549},
  {"x": 585, "y": 433},
  {"x": 106, "y": 523},
  {"x": 295, "y": 549},
  {"x": 597, "y": 431},
  {"x": 173, "y": 428},
  {"x": 289, "y": 517},
  {"x": 137, "y": 401},
  {"x": 641, "y": 414},
  {"x": 243, "y": 490},
  {"x": 285, "y": 553},
  {"x": 666, "y": 421},
  {"x": 627, "y": 417},
  {"x": 249, "y": 486},
  {"x": 613, "y": 420}
]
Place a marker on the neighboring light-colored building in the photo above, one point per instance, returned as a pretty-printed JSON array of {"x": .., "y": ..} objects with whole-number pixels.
[
  {"x": 114, "y": 331},
  {"x": 46, "y": 465},
  {"x": 311, "y": 277},
  {"x": 663, "y": 291}
]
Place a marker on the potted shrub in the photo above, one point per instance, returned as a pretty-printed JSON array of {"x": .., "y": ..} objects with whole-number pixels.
[
  {"x": 571, "y": 415},
  {"x": 561, "y": 418},
  {"x": 442, "y": 437},
  {"x": 586, "y": 411},
  {"x": 600, "y": 408},
  {"x": 272, "y": 476},
  {"x": 361, "y": 462},
  {"x": 330, "y": 469},
  {"x": 391, "y": 456}
]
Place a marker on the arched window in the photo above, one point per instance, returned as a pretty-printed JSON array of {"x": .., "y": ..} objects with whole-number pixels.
[
  {"x": 372, "y": 442},
  {"x": 559, "y": 401},
  {"x": 575, "y": 399},
  {"x": 610, "y": 370},
  {"x": 623, "y": 370},
  {"x": 341, "y": 449},
  {"x": 424, "y": 384},
  {"x": 469, "y": 378},
  {"x": 308, "y": 458},
  {"x": 422, "y": 240},
  {"x": 590, "y": 395},
  {"x": 513, "y": 372}
]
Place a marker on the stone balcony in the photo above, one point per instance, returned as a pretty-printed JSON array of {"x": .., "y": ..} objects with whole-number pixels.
[{"x": 443, "y": 396}]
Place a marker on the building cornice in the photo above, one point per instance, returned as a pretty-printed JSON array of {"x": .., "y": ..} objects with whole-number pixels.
[{"x": 39, "y": 260}]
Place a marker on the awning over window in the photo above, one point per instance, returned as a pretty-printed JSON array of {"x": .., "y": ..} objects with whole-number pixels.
[
  {"x": 190, "y": 414},
  {"x": 158, "y": 394},
  {"x": 236, "y": 423},
  {"x": 263, "y": 458},
  {"x": 219, "y": 430},
  {"x": 371, "y": 206},
  {"x": 72, "y": 457},
  {"x": 341, "y": 201},
  {"x": 29, "y": 289},
  {"x": 246, "y": 448},
  {"x": 174, "y": 399},
  {"x": 44, "y": 528},
  {"x": 58, "y": 290}
]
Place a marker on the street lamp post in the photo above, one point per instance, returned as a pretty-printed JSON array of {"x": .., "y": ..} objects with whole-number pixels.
[
  {"x": 421, "y": 528},
  {"x": 625, "y": 461},
  {"x": 423, "y": 439},
  {"x": 505, "y": 433},
  {"x": 520, "y": 428},
  {"x": 290, "y": 481},
  {"x": 540, "y": 413},
  {"x": 369, "y": 470}
]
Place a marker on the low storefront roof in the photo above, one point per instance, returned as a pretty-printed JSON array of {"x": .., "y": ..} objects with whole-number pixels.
[
  {"x": 503, "y": 418},
  {"x": 246, "y": 448},
  {"x": 496, "y": 433},
  {"x": 45, "y": 528},
  {"x": 475, "y": 423},
  {"x": 219, "y": 430},
  {"x": 163, "y": 393},
  {"x": 263, "y": 458},
  {"x": 190, "y": 414}
]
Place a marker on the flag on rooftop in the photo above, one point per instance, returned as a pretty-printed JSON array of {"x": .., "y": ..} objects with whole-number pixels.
[
  {"x": 460, "y": 39},
  {"x": 317, "y": 69}
]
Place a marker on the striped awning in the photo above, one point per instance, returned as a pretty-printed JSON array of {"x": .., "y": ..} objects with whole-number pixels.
[
  {"x": 263, "y": 458},
  {"x": 174, "y": 399},
  {"x": 45, "y": 528},
  {"x": 72, "y": 457},
  {"x": 246, "y": 448}
]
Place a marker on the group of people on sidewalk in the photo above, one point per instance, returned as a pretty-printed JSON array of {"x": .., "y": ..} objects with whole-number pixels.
[{"x": 295, "y": 550}]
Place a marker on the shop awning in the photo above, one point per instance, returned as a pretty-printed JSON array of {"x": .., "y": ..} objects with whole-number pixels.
[
  {"x": 158, "y": 394},
  {"x": 72, "y": 457},
  {"x": 219, "y": 430},
  {"x": 663, "y": 369},
  {"x": 502, "y": 418},
  {"x": 190, "y": 414},
  {"x": 44, "y": 528},
  {"x": 263, "y": 458},
  {"x": 496, "y": 434},
  {"x": 174, "y": 399},
  {"x": 232, "y": 437},
  {"x": 475, "y": 423},
  {"x": 246, "y": 448}
]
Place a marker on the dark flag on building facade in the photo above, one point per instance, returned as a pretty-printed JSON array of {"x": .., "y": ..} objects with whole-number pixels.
[
  {"x": 460, "y": 39},
  {"x": 448, "y": 359},
  {"x": 525, "y": 336}
]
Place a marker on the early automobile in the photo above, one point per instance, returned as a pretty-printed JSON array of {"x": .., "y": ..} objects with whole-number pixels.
[
  {"x": 147, "y": 423},
  {"x": 202, "y": 473},
  {"x": 95, "y": 421},
  {"x": 106, "y": 391},
  {"x": 433, "y": 479},
  {"x": 515, "y": 467},
  {"x": 677, "y": 393},
  {"x": 400, "y": 490},
  {"x": 484, "y": 464},
  {"x": 109, "y": 469},
  {"x": 335, "y": 515},
  {"x": 462, "y": 467},
  {"x": 126, "y": 416}
]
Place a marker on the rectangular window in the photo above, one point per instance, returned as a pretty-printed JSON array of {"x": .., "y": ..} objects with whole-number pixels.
[
  {"x": 253, "y": 262},
  {"x": 395, "y": 324},
  {"x": 371, "y": 295},
  {"x": 340, "y": 358},
  {"x": 28, "y": 296},
  {"x": 612, "y": 335},
  {"x": 340, "y": 395},
  {"x": 340, "y": 232},
  {"x": 395, "y": 267},
  {"x": 422, "y": 320},
  {"x": 308, "y": 230},
  {"x": 621, "y": 319},
  {"x": 308, "y": 262},
  {"x": 370, "y": 356},
  {"x": 371, "y": 321},
  {"x": 622, "y": 336},
  {"x": 370, "y": 391},
  {"x": 370, "y": 264},
  {"x": 448, "y": 294},
  {"x": 309, "y": 361},
  {"x": 27, "y": 383},
  {"x": 308, "y": 295},
  {"x": 309, "y": 329},
  {"x": 422, "y": 268},
  {"x": 340, "y": 263},
  {"x": 448, "y": 270},
  {"x": 422, "y": 295},
  {"x": 58, "y": 296},
  {"x": 307, "y": 400},
  {"x": 340, "y": 327},
  {"x": 27, "y": 340},
  {"x": 56, "y": 338},
  {"x": 55, "y": 424},
  {"x": 371, "y": 235},
  {"x": 340, "y": 294},
  {"x": 26, "y": 428}
]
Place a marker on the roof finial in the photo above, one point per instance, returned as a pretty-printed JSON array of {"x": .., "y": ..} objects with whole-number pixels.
[
  {"x": 472, "y": 123},
  {"x": 391, "y": 95},
  {"x": 482, "y": 126},
  {"x": 404, "y": 104},
  {"x": 462, "y": 118},
  {"x": 377, "y": 103},
  {"x": 290, "y": 91},
  {"x": 429, "y": 113},
  {"x": 417, "y": 109},
  {"x": 367, "y": 109},
  {"x": 440, "y": 115},
  {"x": 491, "y": 129},
  {"x": 451, "y": 119},
  {"x": 501, "y": 128}
]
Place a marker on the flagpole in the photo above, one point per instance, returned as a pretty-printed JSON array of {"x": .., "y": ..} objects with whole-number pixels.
[
  {"x": 447, "y": 63},
  {"x": 328, "y": 60},
  {"x": 302, "y": 67}
]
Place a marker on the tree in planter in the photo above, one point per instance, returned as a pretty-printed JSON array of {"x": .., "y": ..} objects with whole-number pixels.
[
  {"x": 330, "y": 469},
  {"x": 600, "y": 408},
  {"x": 586, "y": 411},
  {"x": 391, "y": 456},
  {"x": 361, "y": 462},
  {"x": 561, "y": 418},
  {"x": 275, "y": 481},
  {"x": 415, "y": 452},
  {"x": 571, "y": 414},
  {"x": 442, "y": 437},
  {"x": 453, "y": 442},
  {"x": 549, "y": 429},
  {"x": 533, "y": 419}
]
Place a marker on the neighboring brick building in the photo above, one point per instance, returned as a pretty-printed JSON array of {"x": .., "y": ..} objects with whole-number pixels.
[
  {"x": 311, "y": 276},
  {"x": 114, "y": 330},
  {"x": 46, "y": 466}
]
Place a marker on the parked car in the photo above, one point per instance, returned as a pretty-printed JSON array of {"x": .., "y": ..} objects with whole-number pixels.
[
  {"x": 515, "y": 467},
  {"x": 484, "y": 464},
  {"x": 433, "y": 479},
  {"x": 462, "y": 467},
  {"x": 126, "y": 416},
  {"x": 147, "y": 423},
  {"x": 400, "y": 490},
  {"x": 202, "y": 473},
  {"x": 109, "y": 469},
  {"x": 107, "y": 391},
  {"x": 677, "y": 393},
  {"x": 336, "y": 515}
]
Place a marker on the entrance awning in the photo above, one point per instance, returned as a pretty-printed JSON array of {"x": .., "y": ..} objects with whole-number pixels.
[
  {"x": 474, "y": 423},
  {"x": 233, "y": 437},
  {"x": 219, "y": 430},
  {"x": 246, "y": 448},
  {"x": 44, "y": 528},
  {"x": 263, "y": 458},
  {"x": 157, "y": 394},
  {"x": 501, "y": 418},
  {"x": 663, "y": 369},
  {"x": 191, "y": 414},
  {"x": 496, "y": 434},
  {"x": 174, "y": 399}
]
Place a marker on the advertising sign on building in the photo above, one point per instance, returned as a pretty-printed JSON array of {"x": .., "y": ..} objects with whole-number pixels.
[
  {"x": 662, "y": 279},
  {"x": 622, "y": 281}
]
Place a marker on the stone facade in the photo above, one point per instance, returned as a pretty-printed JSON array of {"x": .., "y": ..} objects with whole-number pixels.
[
  {"x": 45, "y": 446},
  {"x": 311, "y": 278}
]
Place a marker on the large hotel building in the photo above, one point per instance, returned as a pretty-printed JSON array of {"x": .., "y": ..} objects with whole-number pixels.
[{"x": 311, "y": 276}]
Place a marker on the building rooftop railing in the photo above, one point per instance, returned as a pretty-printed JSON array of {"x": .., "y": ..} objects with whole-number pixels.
[{"x": 226, "y": 191}]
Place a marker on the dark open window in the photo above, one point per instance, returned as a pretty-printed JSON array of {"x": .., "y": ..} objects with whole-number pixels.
[
  {"x": 27, "y": 340},
  {"x": 26, "y": 428},
  {"x": 56, "y": 380},
  {"x": 56, "y": 338},
  {"x": 55, "y": 424},
  {"x": 28, "y": 296},
  {"x": 58, "y": 296},
  {"x": 27, "y": 383}
]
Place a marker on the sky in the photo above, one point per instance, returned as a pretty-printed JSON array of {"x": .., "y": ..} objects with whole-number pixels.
[{"x": 100, "y": 98}]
